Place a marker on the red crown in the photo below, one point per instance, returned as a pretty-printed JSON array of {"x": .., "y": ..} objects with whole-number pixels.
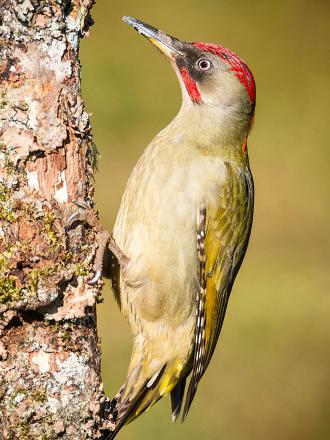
[{"x": 238, "y": 66}]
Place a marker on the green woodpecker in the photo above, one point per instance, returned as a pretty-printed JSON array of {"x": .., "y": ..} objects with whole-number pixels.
[{"x": 183, "y": 226}]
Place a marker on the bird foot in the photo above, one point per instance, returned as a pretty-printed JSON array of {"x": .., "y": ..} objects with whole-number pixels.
[{"x": 86, "y": 214}]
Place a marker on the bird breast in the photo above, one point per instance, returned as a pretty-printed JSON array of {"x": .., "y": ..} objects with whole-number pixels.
[{"x": 156, "y": 228}]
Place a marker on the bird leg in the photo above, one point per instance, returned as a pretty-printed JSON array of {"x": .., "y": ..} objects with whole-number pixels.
[{"x": 118, "y": 253}]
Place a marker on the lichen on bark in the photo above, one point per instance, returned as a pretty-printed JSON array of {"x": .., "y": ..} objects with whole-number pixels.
[{"x": 50, "y": 383}]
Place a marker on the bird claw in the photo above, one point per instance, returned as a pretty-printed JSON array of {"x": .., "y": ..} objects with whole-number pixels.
[
  {"x": 82, "y": 204},
  {"x": 73, "y": 218},
  {"x": 96, "y": 277},
  {"x": 84, "y": 214}
]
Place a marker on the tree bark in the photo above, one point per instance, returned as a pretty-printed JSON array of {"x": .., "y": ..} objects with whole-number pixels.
[{"x": 50, "y": 381}]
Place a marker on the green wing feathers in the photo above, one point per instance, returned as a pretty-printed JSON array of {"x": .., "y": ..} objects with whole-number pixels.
[
  {"x": 227, "y": 236},
  {"x": 228, "y": 225}
]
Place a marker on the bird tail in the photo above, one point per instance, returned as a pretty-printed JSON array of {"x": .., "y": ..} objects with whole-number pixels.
[
  {"x": 177, "y": 398},
  {"x": 137, "y": 396}
]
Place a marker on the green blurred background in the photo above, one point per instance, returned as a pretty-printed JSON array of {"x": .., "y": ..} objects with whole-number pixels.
[{"x": 269, "y": 378}]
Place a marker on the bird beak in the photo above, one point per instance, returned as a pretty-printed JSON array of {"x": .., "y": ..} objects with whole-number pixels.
[{"x": 165, "y": 43}]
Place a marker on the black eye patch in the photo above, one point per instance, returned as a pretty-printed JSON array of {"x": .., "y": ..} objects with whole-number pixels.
[{"x": 189, "y": 61}]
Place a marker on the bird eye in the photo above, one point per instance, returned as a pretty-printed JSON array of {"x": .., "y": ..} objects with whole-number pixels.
[{"x": 204, "y": 64}]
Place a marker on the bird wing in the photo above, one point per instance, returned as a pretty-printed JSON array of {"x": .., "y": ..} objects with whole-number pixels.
[{"x": 223, "y": 231}]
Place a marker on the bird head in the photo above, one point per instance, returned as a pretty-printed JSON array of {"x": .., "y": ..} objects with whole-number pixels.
[{"x": 217, "y": 86}]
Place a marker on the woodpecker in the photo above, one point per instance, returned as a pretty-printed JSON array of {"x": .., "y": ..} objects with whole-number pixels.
[{"x": 183, "y": 227}]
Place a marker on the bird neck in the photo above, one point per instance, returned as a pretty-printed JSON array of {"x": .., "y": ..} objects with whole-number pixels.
[{"x": 214, "y": 130}]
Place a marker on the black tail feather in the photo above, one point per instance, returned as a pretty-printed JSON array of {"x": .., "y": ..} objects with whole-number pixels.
[
  {"x": 189, "y": 398},
  {"x": 177, "y": 398}
]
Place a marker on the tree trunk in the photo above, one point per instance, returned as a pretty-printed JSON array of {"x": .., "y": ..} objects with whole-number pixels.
[{"x": 50, "y": 382}]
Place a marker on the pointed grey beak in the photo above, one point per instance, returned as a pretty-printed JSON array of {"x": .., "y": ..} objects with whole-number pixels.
[{"x": 167, "y": 44}]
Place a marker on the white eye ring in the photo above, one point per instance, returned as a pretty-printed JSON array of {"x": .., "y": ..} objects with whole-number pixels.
[{"x": 204, "y": 64}]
